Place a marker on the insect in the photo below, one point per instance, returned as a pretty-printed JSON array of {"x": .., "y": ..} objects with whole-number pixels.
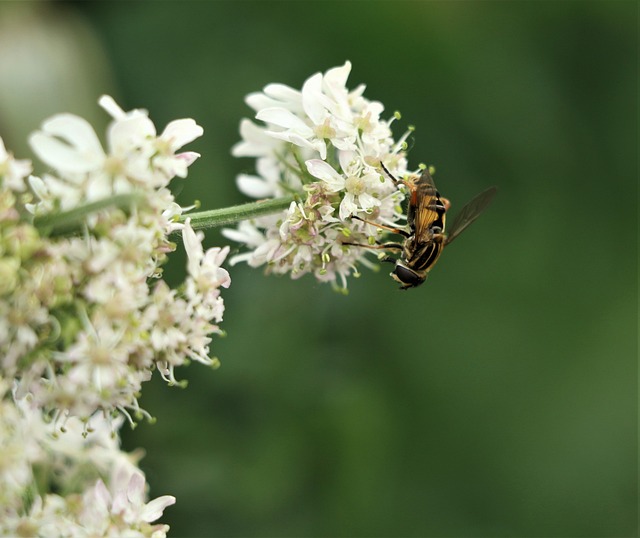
[{"x": 425, "y": 238}]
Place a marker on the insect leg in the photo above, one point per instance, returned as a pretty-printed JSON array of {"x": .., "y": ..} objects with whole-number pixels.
[
  {"x": 398, "y": 231},
  {"x": 378, "y": 246}
]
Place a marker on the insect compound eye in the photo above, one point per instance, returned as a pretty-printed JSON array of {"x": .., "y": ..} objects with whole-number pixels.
[{"x": 407, "y": 277}]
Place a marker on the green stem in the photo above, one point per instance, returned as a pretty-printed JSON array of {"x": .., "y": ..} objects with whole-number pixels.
[
  {"x": 69, "y": 222},
  {"x": 230, "y": 215}
]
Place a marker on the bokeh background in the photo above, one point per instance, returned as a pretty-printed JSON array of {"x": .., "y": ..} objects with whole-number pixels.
[{"x": 500, "y": 399}]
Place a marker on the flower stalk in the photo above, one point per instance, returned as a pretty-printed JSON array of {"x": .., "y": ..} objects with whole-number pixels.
[
  {"x": 69, "y": 222},
  {"x": 66, "y": 223},
  {"x": 212, "y": 218}
]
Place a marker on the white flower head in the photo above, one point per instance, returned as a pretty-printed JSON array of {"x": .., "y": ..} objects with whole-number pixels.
[
  {"x": 85, "y": 322},
  {"x": 325, "y": 143},
  {"x": 137, "y": 157}
]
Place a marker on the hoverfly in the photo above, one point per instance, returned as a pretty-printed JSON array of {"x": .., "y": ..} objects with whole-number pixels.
[{"x": 426, "y": 238}]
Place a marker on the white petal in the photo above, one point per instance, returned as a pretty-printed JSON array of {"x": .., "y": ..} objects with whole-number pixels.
[
  {"x": 241, "y": 237},
  {"x": 347, "y": 206},
  {"x": 325, "y": 172},
  {"x": 346, "y": 160},
  {"x": 135, "y": 489},
  {"x": 282, "y": 92},
  {"x": 128, "y": 133},
  {"x": 181, "y": 132},
  {"x": 111, "y": 107},
  {"x": 256, "y": 142},
  {"x": 68, "y": 143},
  {"x": 153, "y": 510},
  {"x": 367, "y": 201},
  {"x": 193, "y": 248},
  {"x": 189, "y": 157},
  {"x": 283, "y": 118},
  {"x": 102, "y": 496},
  {"x": 61, "y": 156},
  {"x": 336, "y": 78},
  {"x": 345, "y": 144},
  {"x": 258, "y": 101},
  {"x": 75, "y": 130},
  {"x": 275, "y": 95},
  {"x": 334, "y": 86},
  {"x": 312, "y": 99},
  {"x": 254, "y": 186}
]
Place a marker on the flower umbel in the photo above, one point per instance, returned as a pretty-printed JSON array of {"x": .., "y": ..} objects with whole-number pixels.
[
  {"x": 66, "y": 484},
  {"x": 85, "y": 318},
  {"x": 323, "y": 143}
]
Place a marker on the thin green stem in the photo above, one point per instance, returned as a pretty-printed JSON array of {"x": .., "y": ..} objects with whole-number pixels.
[
  {"x": 230, "y": 215},
  {"x": 69, "y": 222}
]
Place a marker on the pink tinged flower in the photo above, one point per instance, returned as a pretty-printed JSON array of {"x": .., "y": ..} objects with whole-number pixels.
[
  {"x": 101, "y": 498},
  {"x": 175, "y": 135},
  {"x": 125, "y": 502},
  {"x": 180, "y": 132},
  {"x": 204, "y": 266},
  {"x": 134, "y": 506},
  {"x": 68, "y": 144},
  {"x": 133, "y": 139}
]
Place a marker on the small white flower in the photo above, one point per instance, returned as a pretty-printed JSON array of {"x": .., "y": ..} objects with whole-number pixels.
[
  {"x": 360, "y": 187},
  {"x": 12, "y": 171},
  {"x": 128, "y": 499},
  {"x": 203, "y": 266},
  {"x": 69, "y": 144}
]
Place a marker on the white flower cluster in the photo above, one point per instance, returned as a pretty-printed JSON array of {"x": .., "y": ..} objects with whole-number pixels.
[
  {"x": 323, "y": 144},
  {"x": 86, "y": 318},
  {"x": 99, "y": 491}
]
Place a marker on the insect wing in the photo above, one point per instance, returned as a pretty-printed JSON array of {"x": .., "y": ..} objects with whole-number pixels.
[
  {"x": 470, "y": 212},
  {"x": 425, "y": 206}
]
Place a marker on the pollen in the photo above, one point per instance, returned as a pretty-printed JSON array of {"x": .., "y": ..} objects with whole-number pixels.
[
  {"x": 355, "y": 185},
  {"x": 325, "y": 130}
]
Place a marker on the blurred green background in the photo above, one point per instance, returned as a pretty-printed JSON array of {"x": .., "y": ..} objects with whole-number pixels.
[{"x": 500, "y": 399}]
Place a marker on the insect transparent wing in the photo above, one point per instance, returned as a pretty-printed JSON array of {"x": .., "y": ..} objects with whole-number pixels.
[{"x": 470, "y": 212}]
